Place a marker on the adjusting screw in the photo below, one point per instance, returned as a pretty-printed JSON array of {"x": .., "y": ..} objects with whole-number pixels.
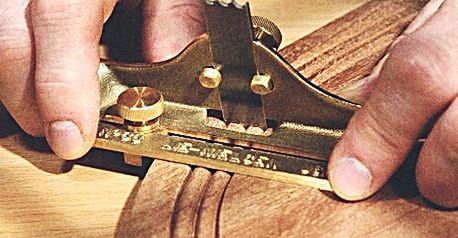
[
  {"x": 262, "y": 84},
  {"x": 210, "y": 77},
  {"x": 141, "y": 108}
]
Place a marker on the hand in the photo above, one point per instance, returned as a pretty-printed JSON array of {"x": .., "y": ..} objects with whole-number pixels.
[
  {"x": 417, "y": 82},
  {"x": 49, "y": 61}
]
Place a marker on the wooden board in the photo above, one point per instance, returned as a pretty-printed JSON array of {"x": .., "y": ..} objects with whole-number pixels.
[
  {"x": 337, "y": 56},
  {"x": 43, "y": 196}
]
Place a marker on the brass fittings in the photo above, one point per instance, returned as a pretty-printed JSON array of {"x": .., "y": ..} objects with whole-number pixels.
[
  {"x": 262, "y": 84},
  {"x": 266, "y": 32},
  {"x": 141, "y": 108},
  {"x": 210, "y": 78}
]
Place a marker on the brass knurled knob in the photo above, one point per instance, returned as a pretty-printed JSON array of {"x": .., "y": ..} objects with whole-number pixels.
[
  {"x": 267, "y": 32},
  {"x": 140, "y": 104}
]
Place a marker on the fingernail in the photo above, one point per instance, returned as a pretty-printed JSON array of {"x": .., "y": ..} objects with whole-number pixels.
[
  {"x": 65, "y": 139},
  {"x": 351, "y": 179}
]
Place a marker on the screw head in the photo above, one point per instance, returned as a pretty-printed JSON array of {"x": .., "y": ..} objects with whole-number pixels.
[
  {"x": 267, "y": 32},
  {"x": 262, "y": 84},
  {"x": 140, "y": 104},
  {"x": 210, "y": 78}
]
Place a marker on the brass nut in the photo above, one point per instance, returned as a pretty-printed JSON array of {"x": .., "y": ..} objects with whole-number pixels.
[
  {"x": 262, "y": 84},
  {"x": 210, "y": 78},
  {"x": 140, "y": 107}
]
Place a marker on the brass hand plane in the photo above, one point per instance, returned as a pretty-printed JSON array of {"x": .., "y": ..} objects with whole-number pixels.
[{"x": 228, "y": 102}]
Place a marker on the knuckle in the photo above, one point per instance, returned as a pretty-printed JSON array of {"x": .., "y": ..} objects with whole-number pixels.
[
  {"x": 191, "y": 6},
  {"x": 15, "y": 45},
  {"x": 424, "y": 66},
  {"x": 54, "y": 14},
  {"x": 188, "y": 12},
  {"x": 391, "y": 142},
  {"x": 67, "y": 81},
  {"x": 15, "y": 42},
  {"x": 68, "y": 24},
  {"x": 58, "y": 77},
  {"x": 49, "y": 16}
]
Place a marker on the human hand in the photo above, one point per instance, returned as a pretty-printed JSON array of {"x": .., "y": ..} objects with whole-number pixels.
[
  {"x": 416, "y": 83},
  {"x": 49, "y": 61}
]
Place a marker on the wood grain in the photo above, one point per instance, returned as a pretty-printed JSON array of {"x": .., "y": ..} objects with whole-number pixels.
[
  {"x": 152, "y": 209},
  {"x": 272, "y": 209},
  {"x": 189, "y": 204},
  {"x": 337, "y": 56},
  {"x": 42, "y": 196},
  {"x": 208, "y": 222},
  {"x": 301, "y": 17}
]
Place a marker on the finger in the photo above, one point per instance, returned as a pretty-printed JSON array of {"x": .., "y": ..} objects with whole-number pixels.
[
  {"x": 417, "y": 81},
  {"x": 437, "y": 167},
  {"x": 108, "y": 7},
  {"x": 170, "y": 25},
  {"x": 426, "y": 13},
  {"x": 66, "y": 36},
  {"x": 359, "y": 92},
  {"x": 16, "y": 71}
]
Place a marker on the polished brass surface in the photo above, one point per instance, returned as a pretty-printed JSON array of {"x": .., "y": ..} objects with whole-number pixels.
[
  {"x": 262, "y": 84},
  {"x": 140, "y": 104},
  {"x": 140, "y": 107},
  {"x": 286, "y": 134},
  {"x": 142, "y": 127},
  {"x": 230, "y": 36},
  {"x": 135, "y": 160},
  {"x": 184, "y": 136},
  {"x": 266, "y": 32},
  {"x": 177, "y": 80},
  {"x": 210, "y": 78}
]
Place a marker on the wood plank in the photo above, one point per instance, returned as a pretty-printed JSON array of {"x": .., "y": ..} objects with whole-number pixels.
[
  {"x": 153, "y": 205},
  {"x": 43, "y": 196},
  {"x": 337, "y": 56},
  {"x": 255, "y": 207},
  {"x": 208, "y": 220},
  {"x": 189, "y": 204},
  {"x": 309, "y": 15}
]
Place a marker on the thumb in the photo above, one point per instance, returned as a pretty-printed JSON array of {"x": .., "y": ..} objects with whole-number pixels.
[
  {"x": 170, "y": 25},
  {"x": 416, "y": 83},
  {"x": 66, "y": 37}
]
